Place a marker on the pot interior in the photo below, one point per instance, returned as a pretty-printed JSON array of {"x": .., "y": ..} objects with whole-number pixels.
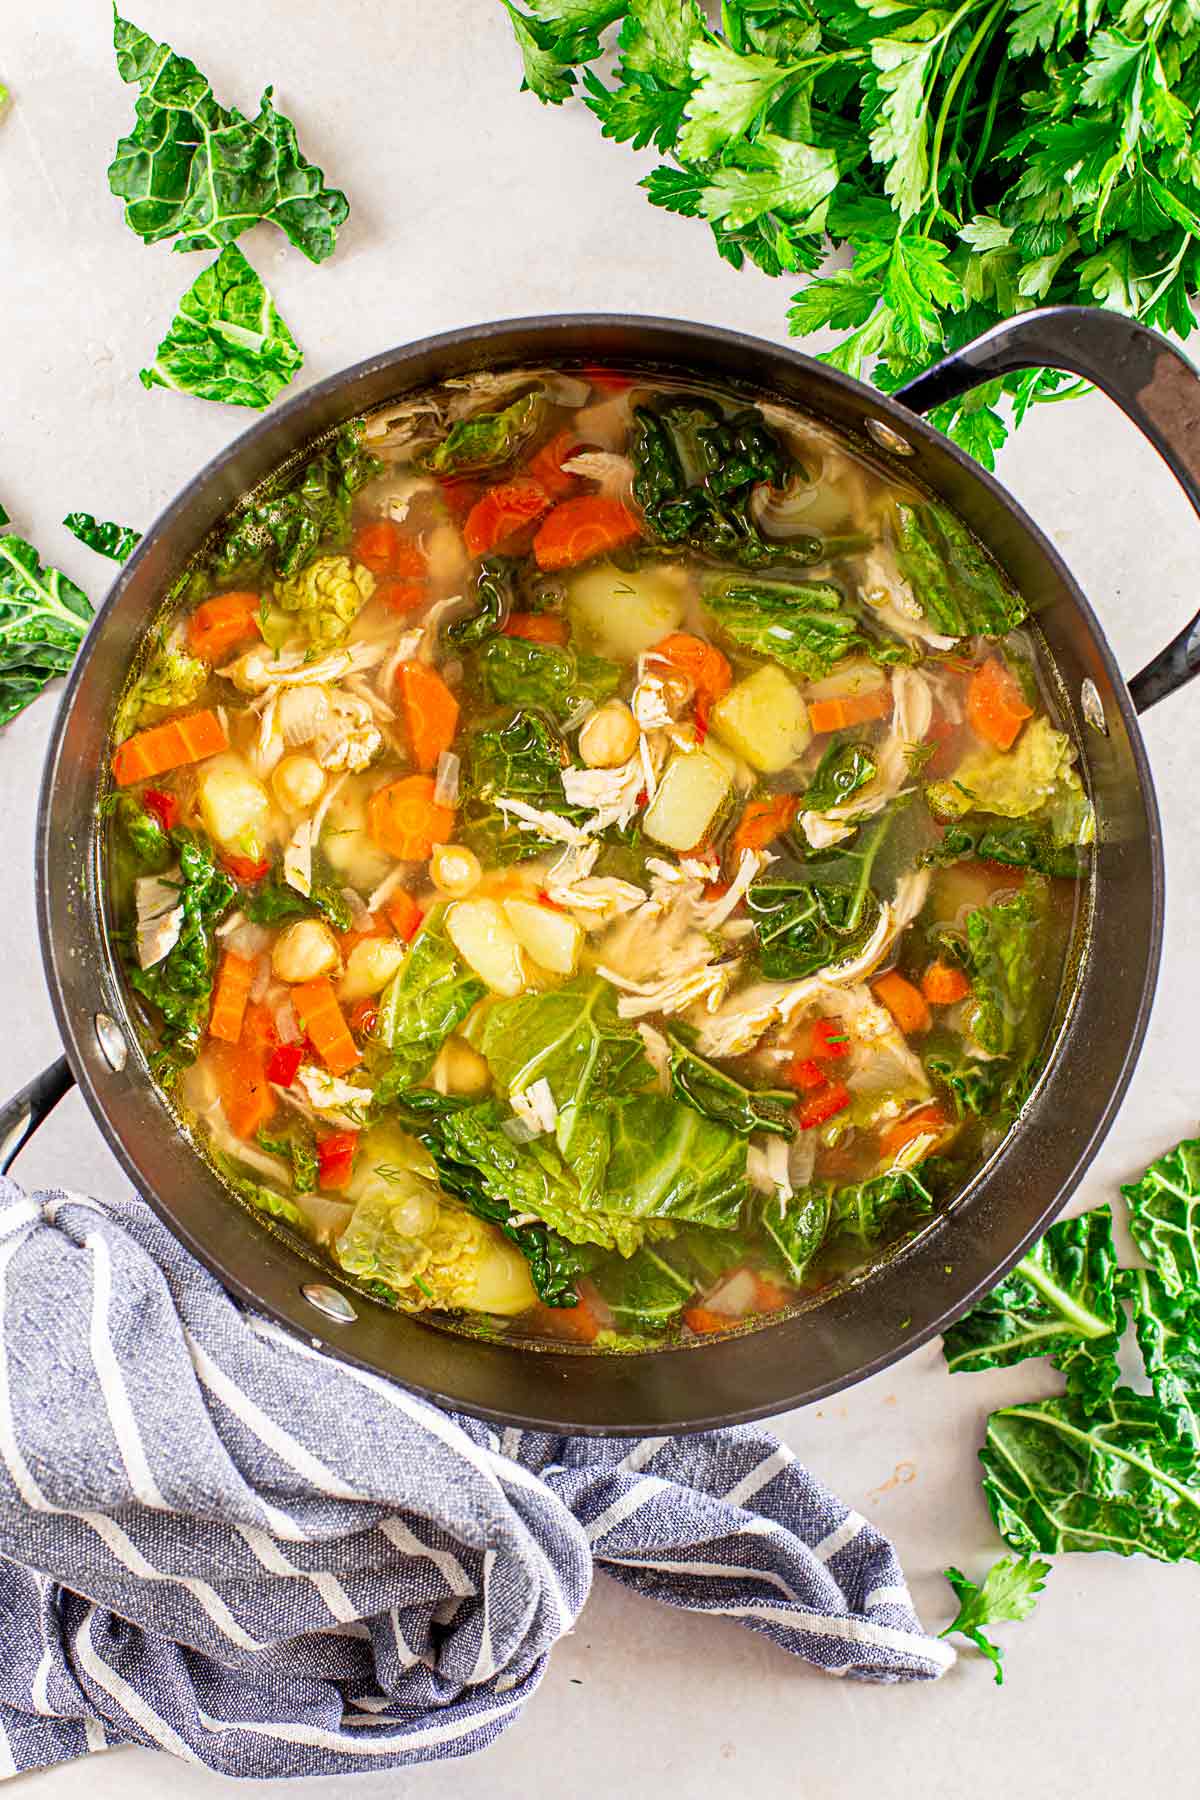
[{"x": 840, "y": 1337}]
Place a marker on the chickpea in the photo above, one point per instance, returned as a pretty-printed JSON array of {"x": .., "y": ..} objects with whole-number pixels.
[
  {"x": 299, "y": 782},
  {"x": 460, "y": 1069},
  {"x": 303, "y": 951},
  {"x": 455, "y": 871},
  {"x": 609, "y": 736},
  {"x": 369, "y": 968}
]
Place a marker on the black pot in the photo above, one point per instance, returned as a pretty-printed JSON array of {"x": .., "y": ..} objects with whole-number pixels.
[{"x": 921, "y": 1289}]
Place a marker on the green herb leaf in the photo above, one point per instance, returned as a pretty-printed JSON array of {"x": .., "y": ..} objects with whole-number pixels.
[
  {"x": 102, "y": 536},
  {"x": 202, "y": 174},
  {"x": 227, "y": 341},
  {"x": 962, "y": 590},
  {"x": 43, "y": 618},
  {"x": 844, "y": 768},
  {"x": 1009, "y": 1593},
  {"x": 520, "y": 759}
]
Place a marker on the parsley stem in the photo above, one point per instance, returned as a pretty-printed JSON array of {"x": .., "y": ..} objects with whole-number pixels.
[{"x": 982, "y": 33}]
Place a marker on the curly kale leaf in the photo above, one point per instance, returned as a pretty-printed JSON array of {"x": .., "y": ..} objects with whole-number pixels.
[
  {"x": 227, "y": 341},
  {"x": 1008, "y": 1594},
  {"x": 844, "y": 768},
  {"x": 521, "y": 759},
  {"x": 429, "y": 997},
  {"x": 978, "y": 1087},
  {"x": 643, "y": 1292},
  {"x": 1019, "y": 845},
  {"x": 103, "y": 536},
  {"x": 805, "y": 626},
  {"x": 303, "y": 509},
  {"x": 964, "y": 593},
  {"x": 43, "y": 619},
  {"x": 1164, "y": 1216},
  {"x": 1060, "y": 1301},
  {"x": 201, "y": 173},
  {"x": 493, "y": 603},
  {"x": 694, "y": 471},
  {"x": 486, "y": 440},
  {"x": 809, "y": 915},
  {"x": 274, "y": 900},
  {"x": 180, "y": 986},
  {"x": 700, "y": 1084},
  {"x": 1007, "y": 946},
  {"x": 866, "y": 1214},
  {"x": 556, "y": 679},
  {"x": 148, "y": 845},
  {"x": 1167, "y": 1328}
]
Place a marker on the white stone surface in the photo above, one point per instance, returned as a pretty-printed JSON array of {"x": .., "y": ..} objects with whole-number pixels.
[{"x": 470, "y": 202}]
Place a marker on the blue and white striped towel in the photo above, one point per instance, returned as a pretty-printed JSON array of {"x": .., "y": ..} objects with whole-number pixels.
[{"x": 219, "y": 1541}]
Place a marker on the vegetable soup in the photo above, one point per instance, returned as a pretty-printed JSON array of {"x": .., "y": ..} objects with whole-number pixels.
[{"x": 594, "y": 857}]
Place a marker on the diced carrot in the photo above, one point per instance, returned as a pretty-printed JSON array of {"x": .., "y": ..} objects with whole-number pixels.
[
  {"x": 705, "y": 666},
  {"x": 805, "y": 1073},
  {"x": 376, "y": 545},
  {"x": 769, "y": 1296},
  {"x": 460, "y": 492},
  {"x": 996, "y": 708},
  {"x": 537, "y": 628},
  {"x": 927, "y": 1120},
  {"x": 822, "y": 1106},
  {"x": 579, "y": 529},
  {"x": 162, "y": 747},
  {"x": 430, "y": 713},
  {"x": 705, "y": 1322},
  {"x": 230, "y": 996},
  {"x": 943, "y": 985},
  {"x": 321, "y": 1016},
  {"x": 243, "y": 1081},
  {"x": 905, "y": 1002},
  {"x": 607, "y": 380},
  {"x": 335, "y": 1158},
  {"x": 405, "y": 820},
  {"x": 218, "y": 624},
  {"x": 763, "y": 821},
  {"x": 259, "y": 1033},
  {"x": 401, "y": 596},
  {"x": 405, "y": 915},
  {"x": 163, "y": 805},
  {"x": 504, "y": 512},
  {"x": 854, "y": 709},
  {"x": 569, "y": 1324},
  {"x": 546, "y": 464}
]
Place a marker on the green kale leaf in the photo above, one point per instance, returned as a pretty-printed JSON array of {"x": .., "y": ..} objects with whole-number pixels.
[
  {"x": 865, "y": 1214},
  {"x": 643, "y": 1292},
  {"x": 521, "y": 759},
  {"x": 964, "y": 593},
  {"x": 485, "y": 441},
  {"x": 149, "y": 845},
  {"x": 805, "y": 626},
  {"x": 428, "y": 998},
  {"x": 103, "y": 536},
  {"x": 809, "y": 915},
  {"x": 517, "y": 672},
  {"x": 227, "y": 341},
  {"x": 281, "y": 528},
  {"x": 1007, "y": 946},
  {"x": 274, "y": 900},
  {"x": 844, "y": 768},
  {"x": 1020, "y": 845},
  {"x": 798, "y": 1228},
  {"x": 43, "y": 619},
  {"x": 1060, "y": 1301},
  {"x": 700, "y": 1084},
  {"x": 1164, "y": 1216},
  {"x": 1009, "y": 1593},
  {"x": 202, "y": 174},
  {"x": 1167, "y": 1327},
  {"x": 493, "y": 603},
  {"x": 180, "y": 986}
]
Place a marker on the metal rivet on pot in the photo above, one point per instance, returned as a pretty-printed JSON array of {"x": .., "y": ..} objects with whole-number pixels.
[
  {"x": 887, "y": 438},
  {"x": 329, "y": 1301},
  {"x": 111, "y": 1040},
  {"x": 1093, "y": 706}
]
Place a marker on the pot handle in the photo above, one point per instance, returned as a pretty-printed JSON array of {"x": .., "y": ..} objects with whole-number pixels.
[
  {"x": 21, "y": 1116},
  {"x": 1150, "y": 381}
]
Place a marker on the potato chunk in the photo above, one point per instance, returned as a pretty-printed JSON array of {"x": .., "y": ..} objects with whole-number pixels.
[
  {"x": 764, "y": 720},
  {"x": 694, "y": 788},
  {"x": 483, "y": 937},
  {"x": 553, "y": 939},
  {"x": 620, "y": 613},
  {"x": 235, "y": 807}
]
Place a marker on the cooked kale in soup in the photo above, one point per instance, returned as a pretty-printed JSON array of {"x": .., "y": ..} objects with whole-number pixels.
[{"x": 595, "y": 856}]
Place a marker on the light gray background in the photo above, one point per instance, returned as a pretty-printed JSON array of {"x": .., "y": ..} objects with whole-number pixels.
[{"x": 471, "y": 202}]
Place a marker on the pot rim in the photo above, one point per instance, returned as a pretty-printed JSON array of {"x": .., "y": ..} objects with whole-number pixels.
[{"x": 553, "y": 331}]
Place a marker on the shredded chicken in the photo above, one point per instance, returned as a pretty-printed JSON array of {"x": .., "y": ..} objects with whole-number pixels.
[
  {"x": 912, "y": 715},
  {"x": 658, "y": 1053},
  {"x": 715, "y": 912},
  {"x": 258, "y": 671},
  {"x": 535, "y": 1107},
  {"x": 892, "y": 599},
  {"x": 302, "y": 711},
  {"x": 612, "y": 795},
  {"x": 598, "y": 898},
  {"x": 403, "y": 650},
  {"x": 550, "y": 826},
  {"x": 349, "y": 739},
  {"x": 707, "y": 984},
  {"x": 159, "y": 916},
  {"x": 297, "y": 857},
  {"x": 329, "y": 1094}
]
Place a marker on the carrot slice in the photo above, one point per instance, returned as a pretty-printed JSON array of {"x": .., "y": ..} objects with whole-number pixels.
[
  {"x": 707, "y": 669},
  {"x": 405, "y": 820},
  {"x": 241, "y": 1069},
  {"x": 405, "y": 915},
  {"x": 162, "y": 747},
  {"x": 928, "y": 1119},
  {"x": 579, "y": 529},
  {"x": 430, "y": 713},
  {"x": 504, "y": 511},
  {"x": 705, "y": 1322},
  {"x": 537, "y": 628},
  {"x": 855, "y": 709},
  {"x": 321, "y": 1016},
  {"x": 376, "y": 545},
  {"x": 229, "y": 1000},
  {"x": 218, "y": 624},
  {"x": 996, "y": 708},
  {"x": 763, "y": 821},
  {"x": 943, "y": 985},
  {"x": 546, "y": 464},
  {"x": 569, "y": 1324},
  {"x": 905, "y": 1002}
]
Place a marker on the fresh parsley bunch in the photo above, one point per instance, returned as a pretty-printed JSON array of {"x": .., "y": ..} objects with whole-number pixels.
[{"x": 976, "y": 159}]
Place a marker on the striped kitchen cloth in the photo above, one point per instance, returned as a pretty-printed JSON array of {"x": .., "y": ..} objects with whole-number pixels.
[{"x": 222, "y": 1542}]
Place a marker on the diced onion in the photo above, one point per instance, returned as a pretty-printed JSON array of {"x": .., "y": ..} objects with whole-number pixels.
[
  {"x": 733, "y": 1297},
  {"x": 247, "y": 940},
  {"x": 445, "y": 788},
  {"x": 783, "y": 513},
  {"x": 356, "y": 903},
  {"x": 262, "y": 979},
  {"x": 286, "y": 1023}
]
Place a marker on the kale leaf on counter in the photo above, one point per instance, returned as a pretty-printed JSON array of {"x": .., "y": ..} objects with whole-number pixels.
[
  {"x": 43, "y": 619},
  {"x": 103, "y": 536},
  {"x": 227, "y": 341}
]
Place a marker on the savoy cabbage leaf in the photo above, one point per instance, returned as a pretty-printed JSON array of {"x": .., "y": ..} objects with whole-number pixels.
[
  {"x": 43, "y": 618},
  {"x": 805, "y": 626},
  {"x": 1164, "y": 1213},
  {"x": 429, "y": 997},
  {"x": 227, "y": 341},
  {"x": 1167, "y": 1328},
  {"x": 964, "y": 593},
  {"x": 196, "y": 171}
]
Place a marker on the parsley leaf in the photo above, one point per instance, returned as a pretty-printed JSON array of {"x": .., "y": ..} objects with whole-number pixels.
[{"x": 1009, "y": 1592}]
